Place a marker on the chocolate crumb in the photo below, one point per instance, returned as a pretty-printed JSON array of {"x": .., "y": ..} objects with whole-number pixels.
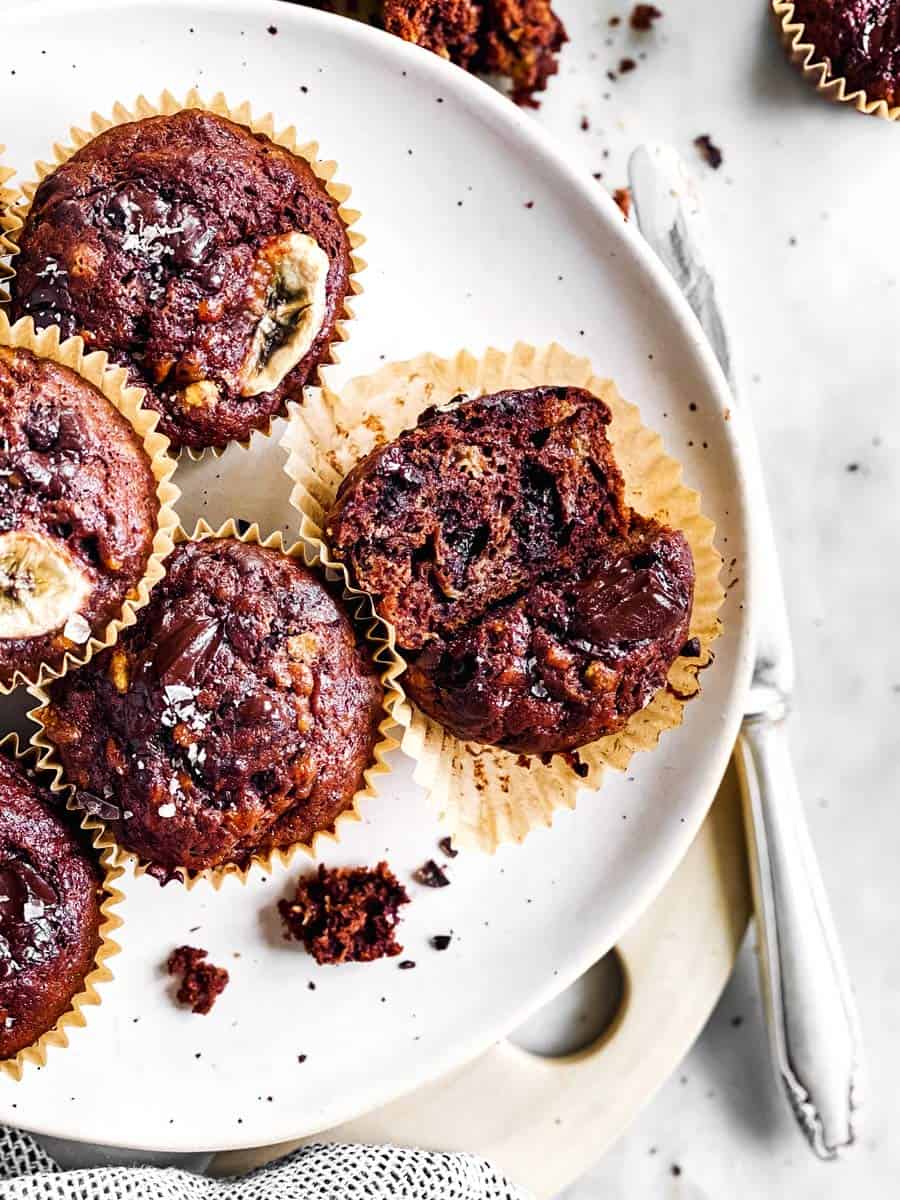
[
  {"x": 675, "y": 1169},
  {"x": 852, "y": 467},
  {"x": 311, "y": 986},
  {"x": 626, "y": 65},
  {"x": 441, "y": 941},
  {"x": 346, "y": 914},
  {"x": 301, "y": 1058},
  {"x": 614, "y": 21},
  {"x": 431, "y": 875},
  {"x": 691, "y": 648},
  {"x": 709, "y": 150},
  {"x": 737, "y": 1022},
  {"x": 529, "y": 204},
  {"x": 273, "y": 29},
  {"x": 446, "y": 847},
  {"x": 585, "y": 124},
  {"x": 622, "y": 197},
  {"x": 406, "y": 965},
  {"x": 201, "y": 982},
  {"x": 643, "y": 16}
]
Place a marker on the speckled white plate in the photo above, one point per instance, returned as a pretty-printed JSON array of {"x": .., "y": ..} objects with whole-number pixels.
[{"x": 478, "y": 233}]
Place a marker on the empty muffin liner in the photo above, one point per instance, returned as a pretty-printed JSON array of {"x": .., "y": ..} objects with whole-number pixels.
[
  {"x": 484, "y": 796},
  {"x": 112, "y": 382},
  {"x": 75, "y": 1017},
  {"x": 385, "y": 658},
  {"x": 816, "y": 68},
  {"x": 167, "y": 105},
  {"x": 9, "y": 223}
]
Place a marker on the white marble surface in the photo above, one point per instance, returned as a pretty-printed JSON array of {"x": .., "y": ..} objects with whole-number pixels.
[{"x": 805, "y": 210}]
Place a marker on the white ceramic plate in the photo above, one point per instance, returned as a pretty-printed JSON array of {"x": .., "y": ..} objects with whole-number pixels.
[{"x": 478, "y": 234}]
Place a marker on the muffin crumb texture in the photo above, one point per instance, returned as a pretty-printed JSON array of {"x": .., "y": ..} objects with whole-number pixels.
[
  {"x": 346, "y": 914},
  {"x": 201, "y": 982},
  {"x": 517, "y": 39}
]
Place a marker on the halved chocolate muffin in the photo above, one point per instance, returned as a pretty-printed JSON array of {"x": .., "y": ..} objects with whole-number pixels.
[
  {"x": 50, "y": 897},
  {"x": 208, "y": 261},
  {"x": 78, "y": 512},
  {"x": 536, "y": 610},
  {"x": 237, "y": 715}
]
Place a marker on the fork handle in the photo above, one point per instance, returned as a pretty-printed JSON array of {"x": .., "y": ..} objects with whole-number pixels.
[{"x": 812, "y": 1021}]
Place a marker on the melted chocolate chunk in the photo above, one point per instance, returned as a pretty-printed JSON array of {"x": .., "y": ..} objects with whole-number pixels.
[{"x": 431, "y": 875}]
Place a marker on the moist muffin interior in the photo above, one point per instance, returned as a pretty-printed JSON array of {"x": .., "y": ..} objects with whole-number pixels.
[
  {"x": 78, "y": 512},
  {"x": 49, "y": 913},
  {"x": 536, "y": 610},
  {"x": 193, "y": 251},
  {"x": 238, "y": 714}
]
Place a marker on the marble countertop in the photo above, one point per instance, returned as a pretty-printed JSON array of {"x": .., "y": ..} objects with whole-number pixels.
[{"x": 804, "y": 208}]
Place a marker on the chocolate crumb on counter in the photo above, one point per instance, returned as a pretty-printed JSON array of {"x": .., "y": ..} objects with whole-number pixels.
[
  {"x": 622, "y": 197},
  {"x": 446, "y": 847},
  {"x": 346, "y": 914},
  {"x": 431, "y": 875},
  {"x": 626, "y": 65},
  {"x": 201, "y": 982},
  {"x": 406, "y": 965},
  {"x": 643, "y": 17},
  {"x": 709, "y": 151},
  {"x": 441, "y": 941}
]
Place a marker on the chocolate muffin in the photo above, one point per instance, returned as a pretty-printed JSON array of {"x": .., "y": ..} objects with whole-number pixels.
[
  {"x": 50, "y": 897},
  {"x": 536, "y": 610},
  {"x": 78, "y": 512},
  {"x": 208, "y": 261},
  {"x": 859, "y": 40},
  {"x": 237, "y": 715}
]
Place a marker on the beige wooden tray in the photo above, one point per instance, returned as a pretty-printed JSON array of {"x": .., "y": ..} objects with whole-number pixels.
[{"x": 544, "y": 1121}]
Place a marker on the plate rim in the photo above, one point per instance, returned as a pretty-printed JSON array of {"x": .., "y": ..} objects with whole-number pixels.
[{"x": 482, "y": 98}]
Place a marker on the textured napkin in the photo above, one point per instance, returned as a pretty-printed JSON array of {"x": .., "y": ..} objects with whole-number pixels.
[{"x": 27, "y": 1172}]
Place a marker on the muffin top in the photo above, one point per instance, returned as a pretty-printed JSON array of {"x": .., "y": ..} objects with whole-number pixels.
[
  {"x": 50, "y": 897},
  {"x": 237, "y": 715},
  {"x": 78, "y": 512},
  {"x": 208, "y": 261},
  {"x": 860, "y": 39},
  {"x": 536, "y": 610}
]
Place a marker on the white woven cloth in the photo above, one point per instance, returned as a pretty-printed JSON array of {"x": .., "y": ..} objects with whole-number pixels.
[{"x": 313, "y": 1173}]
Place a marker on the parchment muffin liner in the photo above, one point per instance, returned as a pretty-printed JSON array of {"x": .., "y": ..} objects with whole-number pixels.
[
  {"x": 486, "y": 797},
  {"x": 112, "y": 382},
  {"x": 816, "y": 68},
  {"x": 36, "y": 1054},
  {"x": 324, "y": 170},
  {"x": 389, "y": 665},
  {"x": 9, "y": 224}
]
